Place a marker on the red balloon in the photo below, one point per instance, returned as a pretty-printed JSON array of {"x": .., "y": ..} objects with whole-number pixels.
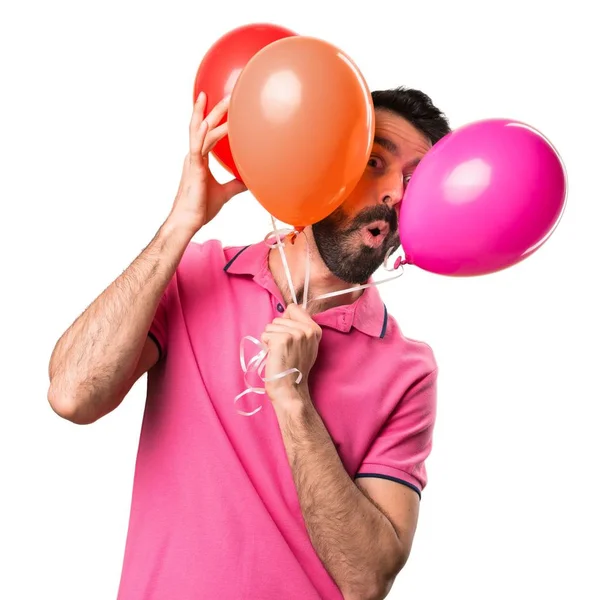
[{"x": 221, "y": 67}]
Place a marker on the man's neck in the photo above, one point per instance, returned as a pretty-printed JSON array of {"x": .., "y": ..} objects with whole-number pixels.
[{"x": 322, "y": 280}]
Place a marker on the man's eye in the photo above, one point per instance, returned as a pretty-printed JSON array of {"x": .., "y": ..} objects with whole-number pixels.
[
  {"x": 407, "y": 179},
  {"x": 375, "y": 162}
]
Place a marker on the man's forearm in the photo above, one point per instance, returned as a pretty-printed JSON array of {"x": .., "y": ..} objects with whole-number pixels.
[
  {"x": 354, "y": 539},
  {"x": 94, "y": 358}
]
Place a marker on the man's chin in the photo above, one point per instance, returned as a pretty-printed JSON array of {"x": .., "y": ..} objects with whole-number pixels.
[
  {"x": 377, "y": 254},
  {"x": 358, "y": 270}
]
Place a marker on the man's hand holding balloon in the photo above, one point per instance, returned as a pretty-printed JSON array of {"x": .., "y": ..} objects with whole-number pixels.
[{"x": 200, "y": 196}]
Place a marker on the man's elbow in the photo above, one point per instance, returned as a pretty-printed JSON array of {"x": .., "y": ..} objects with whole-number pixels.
[
  {"x": 69, "y": 409},
  {"x": 375, "y": 591},
  {"x": 379, "y": 585},
  {"x": 380, "y": 588},
  {"x": 64, "y": 409},
  {"x": 383, "y": 585}
]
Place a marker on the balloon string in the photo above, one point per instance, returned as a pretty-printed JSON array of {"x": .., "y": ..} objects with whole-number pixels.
[
  {"x": 306, "y": 274},
  {"x": 399, "y": 263},
  {"x": 258, "y": 362},
  {"x": 257, "y": 365},
  {"x": 386, "y": 266},
  {"x": 288, "y": 274}
]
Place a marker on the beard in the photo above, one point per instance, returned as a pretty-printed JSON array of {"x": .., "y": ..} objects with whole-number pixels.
[{"x": 339, "y": 242}]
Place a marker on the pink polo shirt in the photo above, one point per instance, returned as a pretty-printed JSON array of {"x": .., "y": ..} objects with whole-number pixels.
[{"x": 215, "y": 513}]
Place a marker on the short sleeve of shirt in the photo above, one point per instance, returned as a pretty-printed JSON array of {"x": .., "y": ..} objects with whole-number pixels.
[
  {"x": 159, "y": 325},
  {"x": 399, "y": 451}
]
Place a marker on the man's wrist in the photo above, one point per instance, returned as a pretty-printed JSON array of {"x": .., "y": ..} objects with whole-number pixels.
[
  {"x": 289, "y": 397},
  {"x": 174, "y": 227}
]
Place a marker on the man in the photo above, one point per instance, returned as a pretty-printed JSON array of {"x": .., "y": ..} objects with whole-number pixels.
[{"x": 317, "y": 495}]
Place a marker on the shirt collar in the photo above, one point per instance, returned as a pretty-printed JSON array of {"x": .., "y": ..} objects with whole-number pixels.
[{"x": 367, "y": 314}]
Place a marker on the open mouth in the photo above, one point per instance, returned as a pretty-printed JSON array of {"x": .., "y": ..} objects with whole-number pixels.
[{"x": 373, "y": 235}]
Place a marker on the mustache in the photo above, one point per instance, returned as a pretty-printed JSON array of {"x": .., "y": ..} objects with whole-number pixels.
[{"x": 375, "y": 213}]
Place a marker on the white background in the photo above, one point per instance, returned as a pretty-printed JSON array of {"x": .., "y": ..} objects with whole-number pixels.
[{"x": 95, "y": 104}]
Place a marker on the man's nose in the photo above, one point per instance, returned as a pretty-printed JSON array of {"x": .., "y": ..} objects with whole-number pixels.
[{"x": 393, "y": 191}]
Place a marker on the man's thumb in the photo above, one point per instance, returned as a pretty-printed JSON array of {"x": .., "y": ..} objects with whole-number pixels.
[{"x": 233, "y": 188}]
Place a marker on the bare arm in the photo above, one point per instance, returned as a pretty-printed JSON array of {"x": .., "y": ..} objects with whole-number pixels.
[
  {"x": 362, "y": 533},
  {"x": 354, "y": 536},
  {"x": 98, "y": 359},
  {"x": 92, "y": 365}
]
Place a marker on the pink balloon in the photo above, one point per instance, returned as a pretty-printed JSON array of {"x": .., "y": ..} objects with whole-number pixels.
[{"x": 484, "y": 198}]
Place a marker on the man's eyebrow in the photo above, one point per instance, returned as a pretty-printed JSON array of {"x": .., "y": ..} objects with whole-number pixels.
[
  {"x": 386, "y": 144},
  {"x": 392, "y": 148},
  {"x": 414, "y": 163}
]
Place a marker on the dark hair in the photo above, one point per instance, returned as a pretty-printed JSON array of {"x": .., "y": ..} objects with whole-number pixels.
[{"x": 416, "y": 107}]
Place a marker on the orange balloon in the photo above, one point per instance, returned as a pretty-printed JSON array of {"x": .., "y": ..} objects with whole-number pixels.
[{"x": 301, "y": 127}]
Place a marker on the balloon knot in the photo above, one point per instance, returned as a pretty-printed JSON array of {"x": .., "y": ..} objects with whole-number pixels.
[
  {"x": 400, "y": 261},
  {"x": 297, "y": 231}
]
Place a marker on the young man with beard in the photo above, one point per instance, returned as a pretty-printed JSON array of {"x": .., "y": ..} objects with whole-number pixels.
[{"x": 317, "y": 495}]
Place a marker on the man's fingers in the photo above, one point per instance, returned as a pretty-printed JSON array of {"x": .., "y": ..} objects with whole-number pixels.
[
  {"x": 288, "y": 326},
  {"x": 275, "y": 328},
  {"x": 214, "y": 136},
  {"x": 196, "y": 157},
  {"x": 197, "y": 132},
  {"x": 270, "y": 337},
  {"x": 215, "y": 116},
  {"x": 295, "y": 329},
  {"x": 198, "y": 113},
  {"x": 292, "y": 325},
  {"x": 297, "y": 313},
  {"x": 202, "y": 142}
]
